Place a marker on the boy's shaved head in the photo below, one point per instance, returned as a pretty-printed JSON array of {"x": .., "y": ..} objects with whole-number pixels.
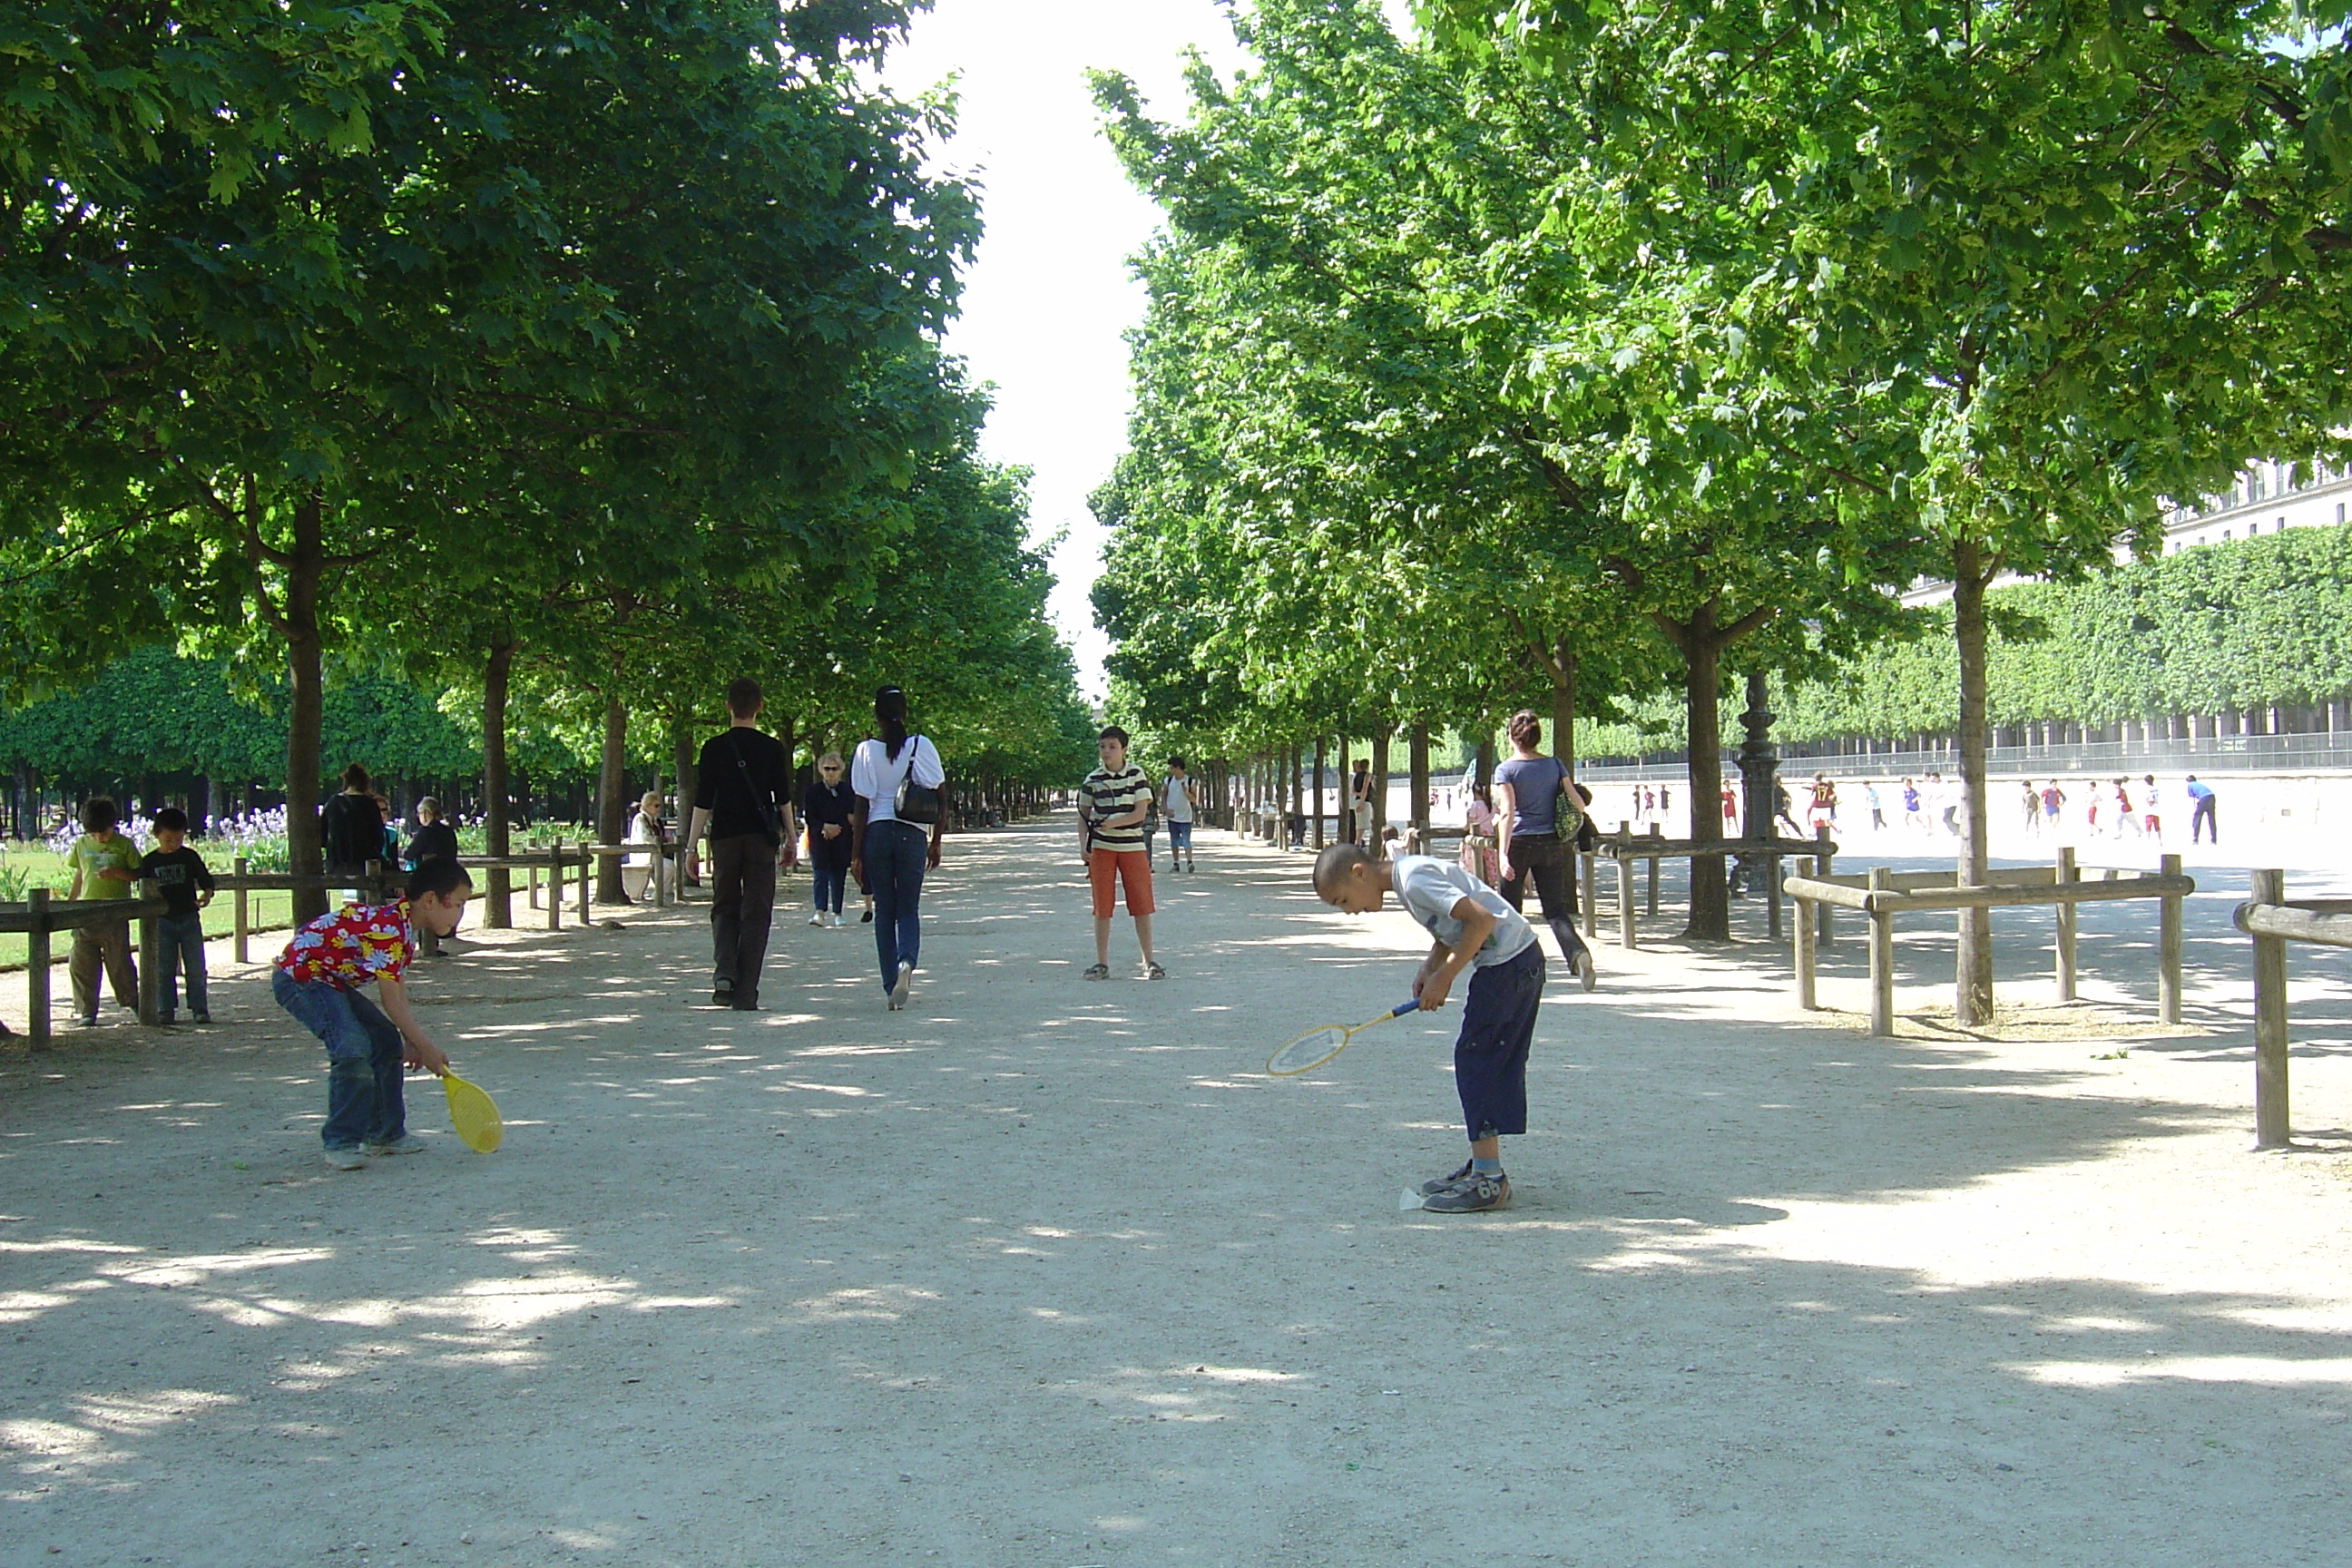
[{"x": 1336, "y": 862}]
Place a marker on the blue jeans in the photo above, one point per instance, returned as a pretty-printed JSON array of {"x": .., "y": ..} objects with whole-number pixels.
[
  {"x": 831, "y": 876},
  {"x": 895, "y": 852},
  {"x": 180, "y": 943},
  {"x": 1490, "y": 1056},
  {"x": 364, "y": 1099},
  {"x": 1180, "y": 837}
]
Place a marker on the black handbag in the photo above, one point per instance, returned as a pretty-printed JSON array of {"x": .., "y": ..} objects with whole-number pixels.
[
  {"x": 918, "y": 804},
  {"x": 770, "y": 829}
]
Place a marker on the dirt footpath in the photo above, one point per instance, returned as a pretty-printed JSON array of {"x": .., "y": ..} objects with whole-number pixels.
[{"x": 1045, "y": 1273}]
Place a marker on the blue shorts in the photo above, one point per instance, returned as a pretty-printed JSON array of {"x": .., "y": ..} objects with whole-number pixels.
[
  {"x": 1180, "y": 836},
  {"x": 1490, "y": 1056}
]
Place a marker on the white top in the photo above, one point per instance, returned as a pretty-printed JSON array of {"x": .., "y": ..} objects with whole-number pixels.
[
  {"x": 1177, "y": 800},
  {"x": 1428, "y": 887},
  {"x": 874, "y": 776}
]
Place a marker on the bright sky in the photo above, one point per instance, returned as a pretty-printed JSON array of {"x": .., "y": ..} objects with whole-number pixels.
[{"x": 1045, "y": 304}]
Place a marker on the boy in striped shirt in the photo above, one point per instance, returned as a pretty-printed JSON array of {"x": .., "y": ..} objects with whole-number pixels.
[{"x": 1113, "y": 803}]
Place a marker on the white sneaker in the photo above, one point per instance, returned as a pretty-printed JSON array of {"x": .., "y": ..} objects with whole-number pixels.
[
  {"x": 835, "y": 919},
  {"x": 906, "y": 986},
  {"x": 817, "y": 918},
  {"x": 345, "y": 1158}
]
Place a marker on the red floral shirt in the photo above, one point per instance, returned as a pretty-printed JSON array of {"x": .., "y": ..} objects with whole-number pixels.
[{"x": 358, "y": 943}]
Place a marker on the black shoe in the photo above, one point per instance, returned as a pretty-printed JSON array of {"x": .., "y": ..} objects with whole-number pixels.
[
  {"x": 742, "y": 1006},
  {"x": 866, "y": 918},
  {"x": 722, "y": 996}
]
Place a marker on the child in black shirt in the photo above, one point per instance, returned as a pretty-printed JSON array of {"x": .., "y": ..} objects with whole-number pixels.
[{"x": 185, "y": 886}]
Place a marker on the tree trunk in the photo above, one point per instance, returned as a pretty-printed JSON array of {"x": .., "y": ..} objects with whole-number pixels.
[
  {"x": 1563, "y": 704},
  {"x": 611, "y": 805},
  {"x": 1316, "y": 816},
  {"x": 497, "y": 906},
  {"x": 306, "y": 571},
  {"x": 1379, "y": 786},
  {"x": 1346, "y": 814},
  {"x": 1417, "y": 764},
  {"x": 1484, "y": 764},
  {"x": 1710, "y": 905},
  {"x": 1974, "y": 980}
]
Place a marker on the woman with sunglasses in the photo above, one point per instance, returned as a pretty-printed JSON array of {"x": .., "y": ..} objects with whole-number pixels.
[{"x": 825, "y": 808}]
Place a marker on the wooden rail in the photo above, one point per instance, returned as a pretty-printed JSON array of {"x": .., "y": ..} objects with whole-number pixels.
[
  {"x": 2272, "y": 921},
  {"x": 1883, "y": 894},
  {"x": 1624, "y": 847}
]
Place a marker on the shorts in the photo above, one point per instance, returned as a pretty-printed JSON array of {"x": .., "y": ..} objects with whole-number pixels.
[
  {"x": 1180, "y": 836},
  {"x": 1490, "y": 1056},
  {"x": 1108, "y": 867}
]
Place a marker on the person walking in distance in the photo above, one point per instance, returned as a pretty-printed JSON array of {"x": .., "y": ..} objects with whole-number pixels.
[
  {"x": 898, "y": 778},
  {"x": 2200, "y": 811},
  {"x": 2033, "y": 808},
  {"x": 743, "y": 795},
  {"x": 1360, "y": 797},
  {"x": 1177, "y": 804},
  {"x": 827, "y": 808},
  {"x": 2151, "y": 817},
  {"x": 1538, "y": 815}
]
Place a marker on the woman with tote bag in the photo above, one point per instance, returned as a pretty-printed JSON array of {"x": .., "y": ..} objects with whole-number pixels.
[{"x": 901, "y": 812}]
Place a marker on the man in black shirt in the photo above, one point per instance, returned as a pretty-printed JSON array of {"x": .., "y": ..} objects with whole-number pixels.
[{"x": 743, "y": 791}]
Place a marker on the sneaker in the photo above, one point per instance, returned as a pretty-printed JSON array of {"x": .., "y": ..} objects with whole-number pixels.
[
  {"x": 345, "y": 1158},
  {"x": 86, "y": 1020},
  {"x": 834, "y": 919},
  {"x": 866, "y": 918},
  {"x": 1153, "y": 971},
  {"x": 905, "y": 988},
  {"x": 167, "y": 1019},
  {"x": 1432, "y": 1188},
  {"x": 408, "y": 1143},
  {"x": 1471, "y": 1195},
  {"x": 1097, "y": 972},
  {"x": 817, "y": 918},
  {"x": 722, "y": 996},
  {"x": 1581, "y": 967},
  {"x": 200, "y": 1017}
]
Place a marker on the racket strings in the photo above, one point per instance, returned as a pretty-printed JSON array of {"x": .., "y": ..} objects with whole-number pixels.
[{"x": 1309, "y": 1049}]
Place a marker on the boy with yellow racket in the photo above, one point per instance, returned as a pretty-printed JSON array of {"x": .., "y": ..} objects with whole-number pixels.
[
  {"x": 320, "y": 979},
  {"x": 1473, "y": 928}
]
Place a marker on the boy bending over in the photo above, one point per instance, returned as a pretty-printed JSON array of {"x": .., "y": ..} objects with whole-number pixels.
[
  {"x": 1474, "y": 928},
  {"x": 320, "y": 978}
]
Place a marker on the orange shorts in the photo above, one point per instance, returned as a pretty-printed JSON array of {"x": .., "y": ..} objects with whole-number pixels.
[{"x": 1106, "y": 868}]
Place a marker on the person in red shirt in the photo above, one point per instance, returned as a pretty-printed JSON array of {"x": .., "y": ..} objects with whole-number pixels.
[{"x": 320, "y": 979}]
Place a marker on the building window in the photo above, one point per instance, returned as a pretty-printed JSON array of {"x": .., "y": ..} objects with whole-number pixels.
[
  {"x": 2280, "y": 527},
  {"x": 2225, "y": 534},
  {"x": 2339, "y": 511}
]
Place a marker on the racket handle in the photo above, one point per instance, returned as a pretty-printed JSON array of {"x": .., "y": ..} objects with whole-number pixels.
[{"x": 1401, "y": 1009}]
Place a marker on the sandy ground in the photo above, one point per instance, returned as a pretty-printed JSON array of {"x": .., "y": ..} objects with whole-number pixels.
[{"x": 1046, "y": 1273}]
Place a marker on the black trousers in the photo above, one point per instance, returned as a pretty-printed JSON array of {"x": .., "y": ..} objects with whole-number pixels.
[
  {"x": 742, "y": 907},
  {"x": 1544, "y": 858}
]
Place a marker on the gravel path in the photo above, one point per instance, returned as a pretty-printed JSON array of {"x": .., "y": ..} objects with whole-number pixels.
[{"x": 1039, "y": 1273}]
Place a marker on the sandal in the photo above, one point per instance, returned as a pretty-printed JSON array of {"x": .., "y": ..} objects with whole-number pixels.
[
  {"x": 1099, "y": 972},
  {"x": 1153, "y": 971}
]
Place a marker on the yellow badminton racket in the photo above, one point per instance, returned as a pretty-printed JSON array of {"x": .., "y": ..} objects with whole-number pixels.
[
  {"x": 1315, "y": 1047},
  {"x": 473, "y": 1113}
]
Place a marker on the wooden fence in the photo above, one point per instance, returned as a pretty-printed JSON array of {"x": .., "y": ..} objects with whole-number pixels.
[
  {"x": 1624, "y": 848},
  {"x": 2273, "y": 920},
  {"x": 1883, "y": 894},
  {"x": 41, "y": 916}
]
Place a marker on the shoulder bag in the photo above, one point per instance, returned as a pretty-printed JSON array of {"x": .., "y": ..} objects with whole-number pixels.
[{"x": 918, "y": 804}]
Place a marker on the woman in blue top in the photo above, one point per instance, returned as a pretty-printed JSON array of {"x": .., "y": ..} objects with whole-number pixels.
[{"x": 1528, "y": 840}]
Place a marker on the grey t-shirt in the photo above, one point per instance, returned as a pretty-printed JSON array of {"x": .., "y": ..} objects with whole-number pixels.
[
  {"x": 1535, "y": 792},
  {"x": 1428, "y": 887}
]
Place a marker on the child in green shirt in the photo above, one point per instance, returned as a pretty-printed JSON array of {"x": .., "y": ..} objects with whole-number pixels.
[{"x": 105, "y": 864}]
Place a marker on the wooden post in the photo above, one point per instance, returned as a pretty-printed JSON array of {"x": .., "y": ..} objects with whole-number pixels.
[
  {"x": 151, "y": 982},
  {"x": 588, "y": 860},
  {"x": 555, "y": 886},
  {"x": 1625, "y": 935},
  {"x": 1656, "y": 833},
  {"x": 1591, "y": 904},
  {"x": 1823, "y": 867},
  {"x": 1807, "y": 937},
  {"x": 2270, "y": 1022},
  {"x": 1882, "y": 959},
  {"x": 2065, "y": 929},
  {"x": 2167, "y": 948},
  {"x": 533, "y": 894},
  {"x": 240, "y": 946},
  {"x": 36, "y": 968}
]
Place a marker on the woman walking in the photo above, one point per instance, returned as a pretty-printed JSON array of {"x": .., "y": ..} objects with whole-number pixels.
[
  {"x": 895, "y": 836},
  {"x": 1534, "y": 838},
  {"x": 826, "y": 809}
]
